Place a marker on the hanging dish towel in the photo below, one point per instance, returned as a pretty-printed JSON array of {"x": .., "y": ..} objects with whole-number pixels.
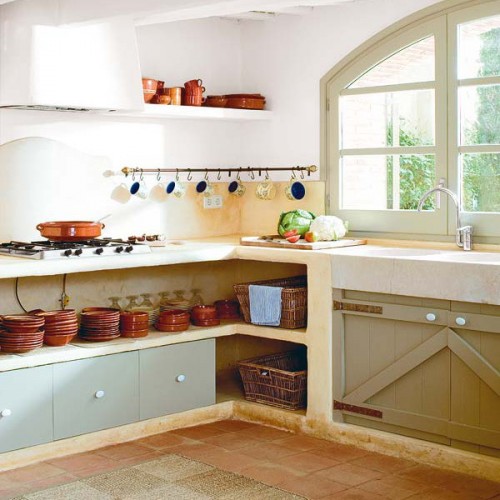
[{"x": 265, "y": 305}]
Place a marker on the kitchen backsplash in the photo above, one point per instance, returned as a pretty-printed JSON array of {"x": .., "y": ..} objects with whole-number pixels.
[{"x": 46, "y": 180}]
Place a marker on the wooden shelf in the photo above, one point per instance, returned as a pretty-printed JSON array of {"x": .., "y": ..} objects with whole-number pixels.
[{"x": 197, "y": 113}]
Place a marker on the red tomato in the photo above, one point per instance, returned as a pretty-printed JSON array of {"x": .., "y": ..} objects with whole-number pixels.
[
  {"x": 293, "y": 239},
  {"x": 292, "y": 232}
]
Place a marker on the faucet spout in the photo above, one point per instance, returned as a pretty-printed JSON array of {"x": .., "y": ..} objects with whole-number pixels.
[{"x": 463, "y": 233}]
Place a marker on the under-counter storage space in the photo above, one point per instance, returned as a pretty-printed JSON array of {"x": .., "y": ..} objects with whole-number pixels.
[
  {"x": 25, "y": 408},
  {"x": 420, "y": 367},
  {"x": 177, "y": 378},
  {"x": 96, "y": 393}
]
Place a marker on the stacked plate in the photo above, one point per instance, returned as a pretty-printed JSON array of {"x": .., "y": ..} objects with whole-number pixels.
[
  {"x": 174, "y": 320},
  {"x": 134, "y": 324},
  {"x": 60, "y": 326},
  {"x": 153, "y": 313},
  {"x": 21, "y": 333},
  {"x": 99, "y": 324},
  {"x": 204, "y": 316}
]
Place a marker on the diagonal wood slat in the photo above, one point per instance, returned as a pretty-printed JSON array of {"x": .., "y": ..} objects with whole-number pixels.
[
  {"x": 399, "y": 368},
  {"x": 475, "y": 361}
]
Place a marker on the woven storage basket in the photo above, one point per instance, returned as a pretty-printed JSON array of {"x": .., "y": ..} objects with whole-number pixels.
[
  {"x": 293, "y": 300},
  {"x": 277, "y": 379}
]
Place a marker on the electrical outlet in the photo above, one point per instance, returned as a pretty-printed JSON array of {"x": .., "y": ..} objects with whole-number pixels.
[{"x": 214, "y": 201}]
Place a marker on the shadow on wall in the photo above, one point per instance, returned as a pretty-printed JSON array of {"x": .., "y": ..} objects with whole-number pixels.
[{"x": 46, "y": 180}]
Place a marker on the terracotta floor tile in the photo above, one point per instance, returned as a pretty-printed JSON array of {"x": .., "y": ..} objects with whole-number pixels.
[
  {"x": 436, "y": 493},
  {"x": 311, "y": 486},
  {"x": 199, "y": 432},
  {"x": 340, "y": 452},
  {"x": 383, "y": 463},
  {"x": 33, "y": 472},
  {"x": 265, "y": 433},
  {"x": 152, "y": 455},
  {"x": 5, "y": 482},
  {"x": 307, "y": 462},
  {"x": 231, "y": 461},
  {"x": 231, "y": 441},
  {"x": 427, "y": 475},
  {"x": 301, "y": 443},
  {"x": 50, "y": 481},
  {"x": 99, "y": 469},
  {"x": 197, "y": 451},
  {"x": 467, "y": 484},
  {"x": 234, "y": 425},
  {"x": 80, "y": 461},
  {"x": 123, "y": 451},
  {"x": 393, "y": 488},
  {"x": 271, "y": 474},
  {"x": 164, "y": 440},
  {"x": 349, "y": 474},
  {"x": 12, "y": 492},
  {"x": 353, "y": 494},
  {"x": 267, "y": 451}
]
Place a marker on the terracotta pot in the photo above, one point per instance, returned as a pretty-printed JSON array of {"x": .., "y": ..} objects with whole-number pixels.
[
  {"x": 149, "y": 87},
  {"x": 70, "y": 230}
]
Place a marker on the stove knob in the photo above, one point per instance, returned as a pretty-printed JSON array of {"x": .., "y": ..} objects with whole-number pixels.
[
  {"x": 67, "y": 253},
  {"x": 99, "y": 251},
  {"x": 119, "y": 249},
  {"x": 129, "y": 249},
  {"x": 78, "y": 251}
]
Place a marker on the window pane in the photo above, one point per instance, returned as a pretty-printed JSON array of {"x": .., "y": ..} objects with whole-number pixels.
[
  {"x": 481, "y": 182},
  {"x": 411, "y": 64},
  {"x": 480, "y": 114},
  {"x": 387, "y": 119},
  {"x": 385, "y": 182},
  {"x": 478, "y": 49}
]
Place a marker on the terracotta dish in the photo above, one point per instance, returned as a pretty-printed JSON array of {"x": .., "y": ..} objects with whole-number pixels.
[
  {"x": 245, "y": 101},
  {"x": 216, "y": 101},
  {"x": 70, "y": 230}
]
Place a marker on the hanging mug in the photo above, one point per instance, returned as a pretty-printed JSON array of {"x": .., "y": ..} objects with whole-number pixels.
[
  {"x": 236, "y": 188},
  {"x": 295, "y": 189},
  {"x": 265, "y": 190},
  {"x": 205, "y": 187}
]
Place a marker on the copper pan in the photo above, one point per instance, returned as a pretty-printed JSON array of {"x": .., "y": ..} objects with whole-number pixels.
[{"x": 70, "y": 230}]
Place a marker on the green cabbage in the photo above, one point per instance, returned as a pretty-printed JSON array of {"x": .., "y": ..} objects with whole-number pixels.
[{"x": 295, "y": 219}]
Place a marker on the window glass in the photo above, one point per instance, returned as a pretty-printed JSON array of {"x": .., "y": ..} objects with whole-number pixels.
[
  {"x": 414, "y": 63},
  {"x": 387, "y": 119},
  {"x": 480, "y": 114},
  {"x": 479, "y": 48},
  {"x": 386, "y": 182},
  {"x": 481, "y": 182}
]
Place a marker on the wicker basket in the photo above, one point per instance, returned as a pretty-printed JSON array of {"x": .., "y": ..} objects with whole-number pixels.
[
  {"x": 293, "y": 300},
  {"x": 276, "y": 380}
]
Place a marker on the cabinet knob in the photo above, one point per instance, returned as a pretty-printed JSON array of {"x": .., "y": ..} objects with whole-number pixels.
[
  {"x": 6, "y": 413},
  {"x": 430, "y": 317},
  {"x": 99, "y": 394},
  {"x": 460, "y": 321},
  {"x": 180, "y": 378}
]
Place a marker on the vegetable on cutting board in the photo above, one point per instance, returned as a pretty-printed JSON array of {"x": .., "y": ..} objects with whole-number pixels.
[
  {"x": 296, "y": 220},
  {"x": 328, "y": 228}
]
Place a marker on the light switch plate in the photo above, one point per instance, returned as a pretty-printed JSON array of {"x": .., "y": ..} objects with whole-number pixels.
[{"x": 214, "y": 201}]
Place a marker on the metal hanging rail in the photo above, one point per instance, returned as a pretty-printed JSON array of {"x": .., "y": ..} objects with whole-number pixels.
[{"x": 240, "y": 170}]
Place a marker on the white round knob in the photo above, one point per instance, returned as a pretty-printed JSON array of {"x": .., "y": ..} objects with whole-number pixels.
[
  {"x": 99, "y": 394},
  {"x": 180, "y": 378},
  {"x": 6, "y": 413},
  {"x": 430, "y": 317},
  {"x": 460, "y": 321}
]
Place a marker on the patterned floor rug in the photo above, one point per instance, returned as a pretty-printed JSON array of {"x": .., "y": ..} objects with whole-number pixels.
[{"x": 171, "y": 476}]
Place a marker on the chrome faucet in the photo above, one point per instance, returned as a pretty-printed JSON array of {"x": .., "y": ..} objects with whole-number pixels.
[{"x": 463, "y": 235}]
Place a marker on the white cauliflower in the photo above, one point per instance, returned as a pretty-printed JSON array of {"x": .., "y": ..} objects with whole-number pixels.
[{"x": 328, "y": 227}]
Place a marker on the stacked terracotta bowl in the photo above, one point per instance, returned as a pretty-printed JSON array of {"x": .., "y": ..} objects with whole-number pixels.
[
  {"x": 204, "y": 316},
  {"x": 21, "y": 333},
  {"x": 60, "y": 326},
  {"x": 134, "y": 324},
  {"x": 173, "y": 320},
  {"x": 99, "y": 324},
  {"x": 227, "y": 309}
]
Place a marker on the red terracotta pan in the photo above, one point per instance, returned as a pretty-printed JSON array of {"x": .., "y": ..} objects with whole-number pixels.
[{"x": 70, "y": 230}]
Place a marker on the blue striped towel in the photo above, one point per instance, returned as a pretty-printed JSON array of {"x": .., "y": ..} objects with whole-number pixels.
[{"x": 265, "y": 305}]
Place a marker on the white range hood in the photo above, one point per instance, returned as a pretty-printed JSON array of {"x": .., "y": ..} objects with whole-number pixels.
[{"x": 91, "y": 67}]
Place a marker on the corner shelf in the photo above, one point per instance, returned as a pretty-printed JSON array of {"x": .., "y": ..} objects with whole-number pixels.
[{"x": 197, "y": 113}]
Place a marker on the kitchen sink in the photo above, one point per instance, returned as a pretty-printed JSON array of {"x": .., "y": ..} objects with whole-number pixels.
[{"x": 475, "y": 257}]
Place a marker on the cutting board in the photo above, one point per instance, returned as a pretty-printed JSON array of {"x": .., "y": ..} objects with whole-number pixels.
[{"x": 275, "y": 241}]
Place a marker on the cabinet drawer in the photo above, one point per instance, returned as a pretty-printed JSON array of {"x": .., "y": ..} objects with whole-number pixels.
[
  {"x": 177, "y": 378},
  {"x": 26, "y": 402},
  {"x": 94, "y": 394}
]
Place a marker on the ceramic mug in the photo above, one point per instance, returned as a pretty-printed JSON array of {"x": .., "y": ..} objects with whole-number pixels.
[
  {"x": 139, "y": 189},
  {"x": 121, "y": 193},
  {"x": 295, "y": 190},
  {"x": 265, "y": 190},
  {"x": 236, "y": 188},
  {"x": 204, "y": 187},
  {"x": 178, "y": 189}
]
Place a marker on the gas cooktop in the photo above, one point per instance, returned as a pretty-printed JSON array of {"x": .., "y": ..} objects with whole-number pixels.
[{"x": 64, "y": 250}]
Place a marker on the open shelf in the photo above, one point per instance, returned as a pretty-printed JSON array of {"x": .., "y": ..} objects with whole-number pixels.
[{"x": 197, "y": 112}]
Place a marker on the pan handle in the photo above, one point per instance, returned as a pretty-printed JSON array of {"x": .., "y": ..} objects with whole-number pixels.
[
  {"x": 103, "y": 225},
  {"x": 39, "y": 227}
]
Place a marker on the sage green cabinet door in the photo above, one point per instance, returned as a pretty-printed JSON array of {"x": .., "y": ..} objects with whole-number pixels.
[
  {"x": 177, "y": 378},
  {"x": 25, "y": 408},
  {"x": 94, "y": 394}
]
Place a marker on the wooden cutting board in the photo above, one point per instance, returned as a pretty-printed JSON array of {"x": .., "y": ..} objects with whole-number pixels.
[{"x": 275, "y": 241}]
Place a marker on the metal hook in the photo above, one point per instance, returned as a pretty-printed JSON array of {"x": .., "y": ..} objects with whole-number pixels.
[
  {"x": 141, "y": 178},
  {"x": 206, "y": 174},
  {"x": 252, "y": 175},
  {"x": 189, "y": 176},
  {"x": 267, "y": 174},
  {"x": 238, "y": 176},
  {"x": 302, "y": 176},
  {"x": 158, "y": 176},
  {"x": 133, "y": 175},
  {"x": 218, "y": 175},
  {"x": 177, "y": 174},
  {"x": 293, "y": 174}
]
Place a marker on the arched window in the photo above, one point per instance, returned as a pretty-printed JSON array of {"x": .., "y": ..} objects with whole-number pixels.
[{"x": 418, "y": 107}]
